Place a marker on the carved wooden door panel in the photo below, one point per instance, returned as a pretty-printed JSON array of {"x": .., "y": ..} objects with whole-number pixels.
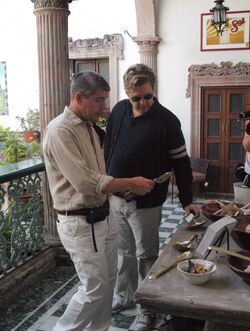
[{"x": 221, "y": 133}]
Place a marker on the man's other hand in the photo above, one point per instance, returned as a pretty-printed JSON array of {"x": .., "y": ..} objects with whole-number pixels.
[
  {"x": 141, "y": 185},
  {"x": 192, "y": 208}
]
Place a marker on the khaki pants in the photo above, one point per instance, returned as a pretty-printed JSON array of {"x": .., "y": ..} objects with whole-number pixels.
[
  {"x": 138, "y": 244},
  {"x": 90, "y": 307}
]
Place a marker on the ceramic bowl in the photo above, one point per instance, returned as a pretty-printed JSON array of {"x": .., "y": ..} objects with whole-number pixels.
[
  {"x": 241, "y": 232},
  {"x": 209, "y": 209},
  {"x": 239, "y": 266},
  {"x": 194, "y": 278}
]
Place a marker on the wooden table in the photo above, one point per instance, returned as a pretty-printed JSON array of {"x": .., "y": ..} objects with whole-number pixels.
[{"x": 224, "y": 301}]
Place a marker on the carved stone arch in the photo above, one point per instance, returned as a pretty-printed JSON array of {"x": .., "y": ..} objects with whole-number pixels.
[
  {"x": 212, "y": 74},
  {"x": 110, "y": 46}
]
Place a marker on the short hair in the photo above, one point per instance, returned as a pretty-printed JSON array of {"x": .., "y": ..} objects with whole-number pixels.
[
  {"x": 88, "y": 82},
  {"x": 136, "y": 75}
]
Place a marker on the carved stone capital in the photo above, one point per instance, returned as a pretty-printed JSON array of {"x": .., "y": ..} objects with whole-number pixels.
[
  {"x": 224, "y": 69},
  {"x": 109, "y": 41},
  {"x": 39, "y": 4},
  {"x": 147, "y": 44}
]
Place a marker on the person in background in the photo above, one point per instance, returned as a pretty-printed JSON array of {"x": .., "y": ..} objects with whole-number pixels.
[
  {"x": 80, "y": 187},
  {"x": 142, "y": 137},
  {"x": 246, "y": 145}
]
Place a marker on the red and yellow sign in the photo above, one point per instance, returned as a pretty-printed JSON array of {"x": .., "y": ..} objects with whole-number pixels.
[
  {"x": 235, "y": 35},
  {"x": 232, "y": 34}
]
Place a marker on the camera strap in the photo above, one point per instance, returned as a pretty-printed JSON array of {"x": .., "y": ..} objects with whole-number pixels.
[
  {"x": 93, "y": 237},
  {"x": 95, "y": 215}
]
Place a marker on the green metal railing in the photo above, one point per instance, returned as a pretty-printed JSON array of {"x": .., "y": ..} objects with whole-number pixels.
[{"x": 21, "y": 212}]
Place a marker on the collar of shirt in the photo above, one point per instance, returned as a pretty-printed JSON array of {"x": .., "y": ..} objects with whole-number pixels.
[
  {"x": 75, "y": 120},
  {"x": 149, "y": 113}
]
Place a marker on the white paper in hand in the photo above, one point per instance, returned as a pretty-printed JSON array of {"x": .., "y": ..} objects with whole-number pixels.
[{"x": 189, "y": 218}]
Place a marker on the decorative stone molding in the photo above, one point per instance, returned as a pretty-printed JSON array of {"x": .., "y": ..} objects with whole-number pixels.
[
  {"x": 225, "y": 69},
  {"x": 148, "y": 49},
  {"x": 225, "y": 74},
  {"x": 110, "y": 46},
  {"x": 147, "y": 44},
  {"x": 147, "y": 39},
  {"x": 109, "y": 41},
  {"x": 51, "y": 3}
]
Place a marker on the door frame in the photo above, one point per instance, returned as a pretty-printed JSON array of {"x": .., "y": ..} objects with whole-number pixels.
[
  {"x": 206, "y": 75},
  {"x": 110, "y": 46},
  {"x": 221, "y": 169}
]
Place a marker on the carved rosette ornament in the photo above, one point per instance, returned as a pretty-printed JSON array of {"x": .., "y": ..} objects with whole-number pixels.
[
  {"x": 38, "y": 4},
  {"x": 108, "y": 41},
  {"x": 225, "y": 69}
]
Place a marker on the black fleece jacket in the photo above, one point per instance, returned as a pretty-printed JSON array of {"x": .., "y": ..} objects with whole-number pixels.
[{"x": 148, "y": 146}]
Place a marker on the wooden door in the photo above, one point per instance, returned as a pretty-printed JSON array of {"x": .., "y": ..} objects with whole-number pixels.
[
  {"x": 221, "y": 133},
  {"x": 100, "y": 65}
]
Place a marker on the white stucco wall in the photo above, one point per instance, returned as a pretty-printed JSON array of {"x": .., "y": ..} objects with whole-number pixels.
[
  {"x": 90, "y": 19},
  {"x": 180, "y": 47},
  {"x": 179, "y": 30}
]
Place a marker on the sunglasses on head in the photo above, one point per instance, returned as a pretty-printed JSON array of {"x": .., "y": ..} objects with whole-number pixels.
[{"x": 137, "y": 98}]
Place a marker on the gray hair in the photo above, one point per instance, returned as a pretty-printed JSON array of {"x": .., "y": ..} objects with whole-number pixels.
[
  {"x": 88, "y": 82},
  {"x": 136, "y": 75}
]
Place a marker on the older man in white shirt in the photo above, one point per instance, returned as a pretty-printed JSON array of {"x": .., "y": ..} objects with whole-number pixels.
[{"x": 79, "y": 187}]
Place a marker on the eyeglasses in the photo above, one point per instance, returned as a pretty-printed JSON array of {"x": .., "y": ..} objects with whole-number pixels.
[{"x": 137, "y": 98}]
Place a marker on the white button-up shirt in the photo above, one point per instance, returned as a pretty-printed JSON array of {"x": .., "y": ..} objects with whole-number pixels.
[{"x": 76, "y": 173}]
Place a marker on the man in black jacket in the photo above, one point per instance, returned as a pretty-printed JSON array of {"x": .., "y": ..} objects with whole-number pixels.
[{"x": 143, "y": 138}]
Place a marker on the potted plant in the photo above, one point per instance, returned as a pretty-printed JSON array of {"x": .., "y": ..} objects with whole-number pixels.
[
  {"x": 30, "y": 125},
  {"x": 13, "y": 149},
  {"x": 4, "y": 132}
]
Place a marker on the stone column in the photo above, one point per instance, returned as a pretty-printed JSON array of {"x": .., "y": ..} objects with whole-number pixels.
[
  {"x": 148, "y": 49},
  {"x": 147, "y": 39},
  {"x": 54, "y": 80}
]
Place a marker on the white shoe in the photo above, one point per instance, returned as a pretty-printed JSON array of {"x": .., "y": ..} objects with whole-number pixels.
[
  {"x": 145, "y": 321},
  {"x": 118, "y": 306}
]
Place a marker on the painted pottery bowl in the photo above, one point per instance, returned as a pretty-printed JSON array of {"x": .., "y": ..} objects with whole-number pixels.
[
  {"x": 196, "y": 278},
  {"x": 241, "y": 232},
  {"x": 209, "y": 209},
  {"x": 239, "y": 266}
]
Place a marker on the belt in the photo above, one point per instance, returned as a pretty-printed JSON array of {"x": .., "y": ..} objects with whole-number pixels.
[
  {"x": 76, "y": 212},
  {"x": 80, "y": 212}
]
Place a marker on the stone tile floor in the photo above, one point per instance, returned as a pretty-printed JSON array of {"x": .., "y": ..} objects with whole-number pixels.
[{"x": 38, "y": 308}]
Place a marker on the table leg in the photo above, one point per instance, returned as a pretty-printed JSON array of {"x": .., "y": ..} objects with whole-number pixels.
[{"x": 172, "y": 192}]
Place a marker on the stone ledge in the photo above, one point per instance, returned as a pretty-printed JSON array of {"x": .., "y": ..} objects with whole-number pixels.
[{"x": 16, "y": 281}]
